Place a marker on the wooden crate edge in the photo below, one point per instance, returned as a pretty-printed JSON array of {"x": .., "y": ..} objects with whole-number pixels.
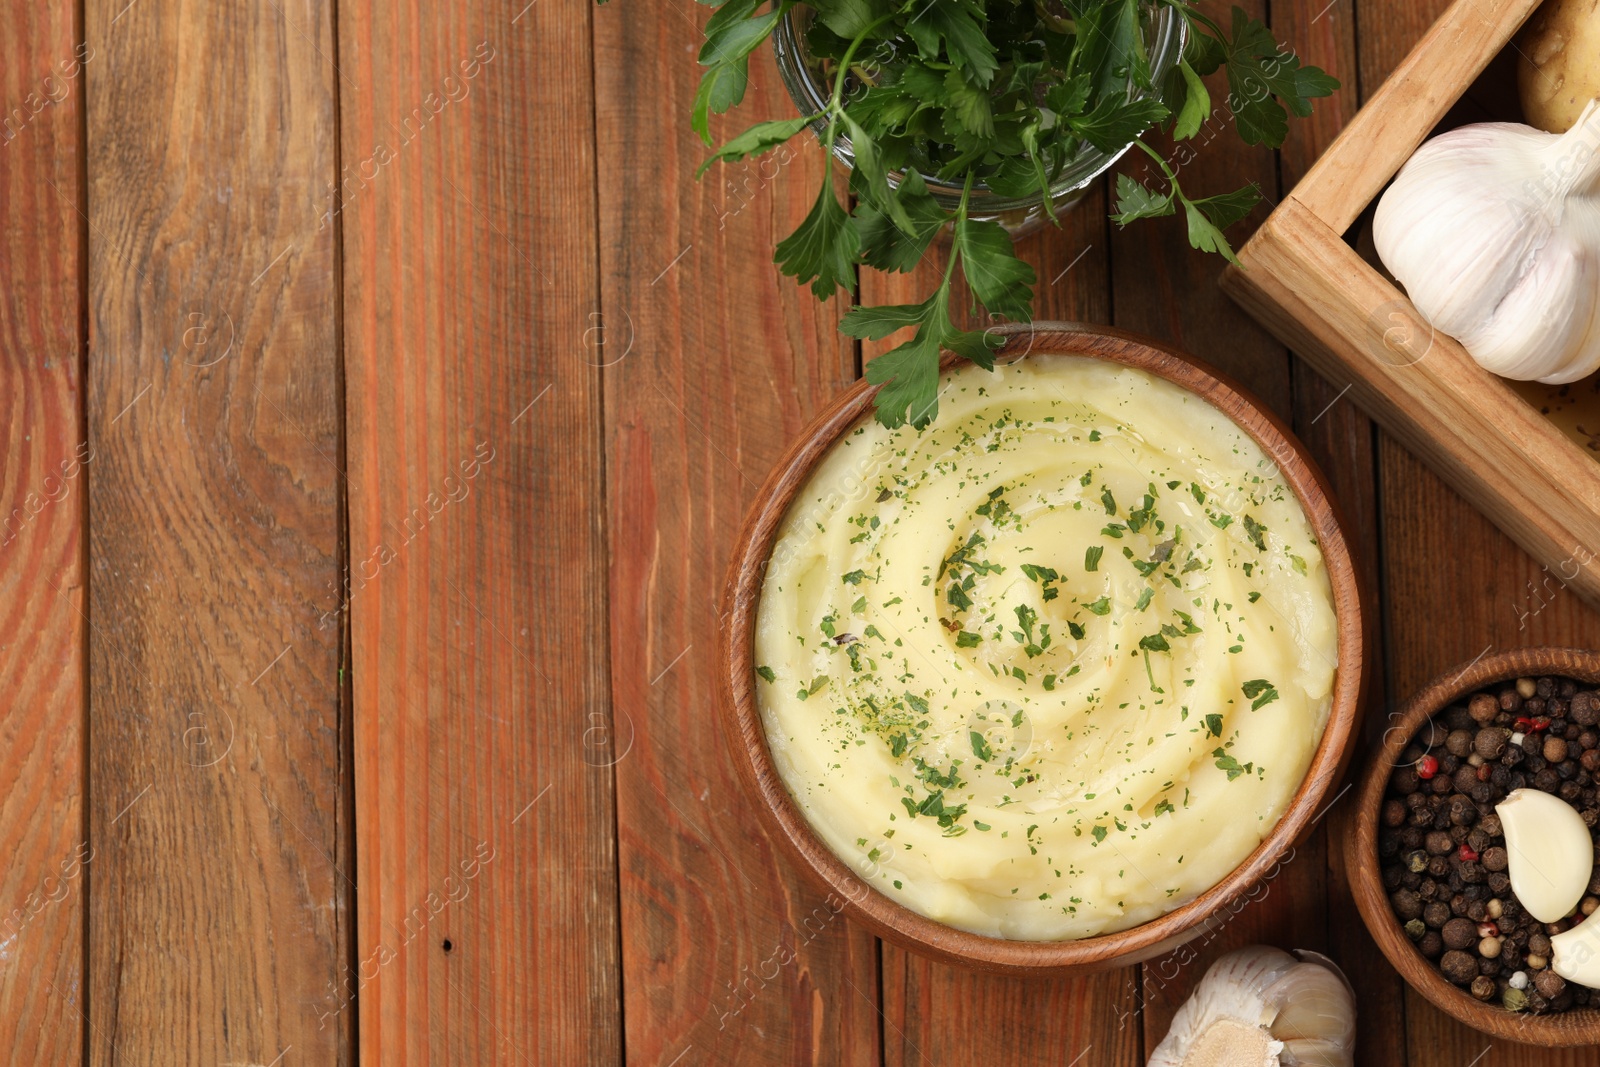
[
  {"x": 1568, "y": 545},
  {"x": 1381, "y": 136}
]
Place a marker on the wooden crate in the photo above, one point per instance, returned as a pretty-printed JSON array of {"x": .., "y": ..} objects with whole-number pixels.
[{"x": 1305, "y": 282}]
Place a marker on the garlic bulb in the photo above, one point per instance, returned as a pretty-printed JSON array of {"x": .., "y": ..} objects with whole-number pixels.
[
  {"x": 1261, "y": 1007},
  {"x": 1494, "y": 230}
]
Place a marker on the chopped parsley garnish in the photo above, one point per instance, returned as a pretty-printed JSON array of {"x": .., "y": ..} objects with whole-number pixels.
[
  {"x": 1256, "y": 531},
  {"x": 1261, "y": 692},
  {"x": 1046, "y": 577},
  {"x": 980, "y": 746},
  {"x": 1227, "y": 763}
]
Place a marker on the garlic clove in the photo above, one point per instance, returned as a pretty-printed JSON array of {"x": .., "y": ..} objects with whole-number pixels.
[
  {"x": 1261, "y": 1007},
  {"x": 1550, "y": 854},
  {"x": 1575, "y": 955}
]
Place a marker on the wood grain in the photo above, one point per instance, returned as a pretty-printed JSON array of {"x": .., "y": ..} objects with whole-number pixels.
[
  {"x": 1343, "y": 441},
  {"x": 221, "y": 883},
  {"x": 713, "y": 364},
  {"x": 488, "y": 929},
  {"x": 42, "y": 481}
]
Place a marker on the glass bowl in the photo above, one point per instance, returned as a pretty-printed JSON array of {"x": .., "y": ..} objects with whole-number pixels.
[{"x": 1165, "y": 32}]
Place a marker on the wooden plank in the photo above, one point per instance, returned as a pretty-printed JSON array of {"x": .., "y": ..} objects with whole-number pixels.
[
  {"x": 937, "y": 1014},
  {"x": 42, "y": 484},
  {"x": 1411, "y": 102},
  {"x": 1343, "y": 441},
  {"x": 713, "y": 363},
  {"x": 483, "y": 785},
  {"x": 221, "y": 883}
]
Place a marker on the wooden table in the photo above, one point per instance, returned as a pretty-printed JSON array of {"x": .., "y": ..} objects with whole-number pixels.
[{"x": 379, "y": 406}]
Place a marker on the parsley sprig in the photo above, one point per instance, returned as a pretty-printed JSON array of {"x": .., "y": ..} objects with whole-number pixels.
[{"x": 1006, "y": 93}]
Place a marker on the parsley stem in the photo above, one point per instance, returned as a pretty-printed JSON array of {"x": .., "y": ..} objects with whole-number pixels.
[
  {"x": 960, "y": 217},
  {"x": 1053, "y": 22},
  {"x": 849, "y": 55},
  {"x": 1172, "y": 178}
]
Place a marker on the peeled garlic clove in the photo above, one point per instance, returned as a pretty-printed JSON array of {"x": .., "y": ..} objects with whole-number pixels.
[
  {"x": 1550, "y": 854},
  {"x": 1575, "y": 955},
  {"x": 1260, "y": 1007}
]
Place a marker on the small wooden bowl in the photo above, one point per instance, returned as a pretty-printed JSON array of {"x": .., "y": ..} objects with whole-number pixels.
[
  {"x": 1577, "y": 1027},
  {"x": 786, "y": 823}
]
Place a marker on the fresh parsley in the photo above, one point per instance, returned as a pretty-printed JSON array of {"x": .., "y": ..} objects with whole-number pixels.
[{"x": 1005, "y": 93}]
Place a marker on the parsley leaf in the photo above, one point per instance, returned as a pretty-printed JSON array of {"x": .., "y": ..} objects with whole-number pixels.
[
  {"x": 757, "y": 139},
  {"x": 1135, "y": 201},
  {"x": 822, "y": 250},
  {"x": 1258, "y": 73},
  {"x": 1115, "y": 123},
  {"x": 989, "y": 261}
]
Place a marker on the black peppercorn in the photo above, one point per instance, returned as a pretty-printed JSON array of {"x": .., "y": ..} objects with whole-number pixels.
[
  {"x": 1549, "y": 984},
  {"x": 1459, "y": 967},
  {"x": 1459, "y": 933}
]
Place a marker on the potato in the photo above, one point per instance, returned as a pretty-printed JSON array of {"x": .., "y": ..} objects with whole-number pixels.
[{"x": 1558, "y": 63}]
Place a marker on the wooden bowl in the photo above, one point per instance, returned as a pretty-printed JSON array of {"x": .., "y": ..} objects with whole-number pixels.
[
  {"x": 1577, "y": 1027},
  {"x": 786, "y": 823}
]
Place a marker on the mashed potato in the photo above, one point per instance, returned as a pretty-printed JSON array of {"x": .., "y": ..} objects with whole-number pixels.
[{"x": 1053, "y": 666}]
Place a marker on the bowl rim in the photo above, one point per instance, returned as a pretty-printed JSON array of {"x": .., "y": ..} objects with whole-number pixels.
[
  {"x": 1577, "y": 1027},
  {"x": 782, "y": 817}
]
